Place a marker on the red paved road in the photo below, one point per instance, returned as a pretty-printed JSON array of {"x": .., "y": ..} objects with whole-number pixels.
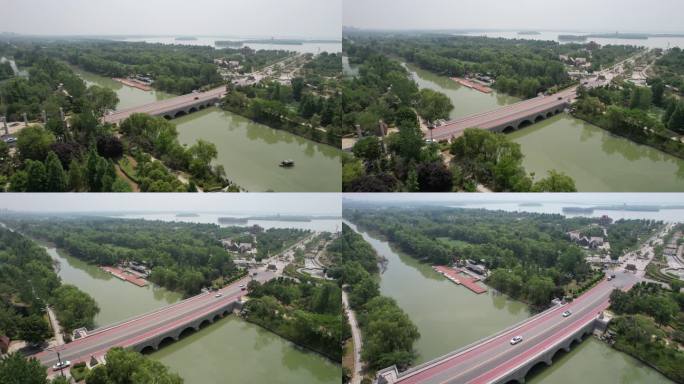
[
  {"x": 158, "y": 108},
  {"x": 500, "y": 116},
  {"x": 146, "y": 326},
  {"x": 492, "y": 358}
]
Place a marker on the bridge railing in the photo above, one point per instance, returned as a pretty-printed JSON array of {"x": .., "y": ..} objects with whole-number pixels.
[{"x": 474, "y": 344}]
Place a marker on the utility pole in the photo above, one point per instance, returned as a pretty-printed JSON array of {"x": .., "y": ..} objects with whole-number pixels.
[{"x": 61, "y": 368}]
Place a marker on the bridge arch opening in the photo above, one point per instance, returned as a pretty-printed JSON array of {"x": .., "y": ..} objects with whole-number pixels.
[
  {"x": 524, "y": 123},
  {"x": 535, "y": 370},
  {"x": 186, "y": 332},
  {"x": 226, "y": 313},
  {"x": 147, "y": 350},
  {"x": 193, "y": 109},
  {"x": 179, "y": 114},
  {"x": 168, "y": 117},
  {"x": 217, "y": 316},
  {"x": 204, "y": 323},
  {"x": 509, "y": 129},
  {"x": 166, "y": 341},
  {"x": 549, "y": 114},
  {"x": 558, "y": 111},
  {"x": 538, "y": 118},
  {"x": 513, "y": 381},
  {"x": 560, "y": 353}
]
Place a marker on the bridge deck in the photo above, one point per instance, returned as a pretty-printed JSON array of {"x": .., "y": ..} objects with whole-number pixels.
[
  {"x": 503, "y": 115},
  {"x": 161, "y": 107},
  {"x": 144, "y": 327},
  {"x": 492, "y": 358}
]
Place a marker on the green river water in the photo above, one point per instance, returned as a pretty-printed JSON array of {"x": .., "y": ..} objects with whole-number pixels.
[
  {"x": 597, "y": 160},
  {"x": 228, "y": 351},
  {"x": 249, "y": 152},
  {"x": 449, "y": 317}
]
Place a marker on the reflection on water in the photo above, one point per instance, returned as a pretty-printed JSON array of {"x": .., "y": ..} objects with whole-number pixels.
[
  {"x": 251, "y": 152},
  {"x": 118, "y": 300},
  {"x": 128, "y": 96},
  {"x": 449, "y": 317},
  {"x": 245, "y": 353},
  {"x": 229, "y": 348},
  {"x": 465, "y": 100},
  {"x": 594, "y": 362},
  {"x": 598, "y": 160}
]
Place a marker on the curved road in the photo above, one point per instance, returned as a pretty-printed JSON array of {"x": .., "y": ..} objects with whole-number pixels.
[{"x": 494, "y": 357}]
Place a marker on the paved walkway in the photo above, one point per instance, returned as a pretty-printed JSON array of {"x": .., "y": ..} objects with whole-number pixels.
[
  {"x": 56, "y": 328},
  {"x": 357, "y": 372}
]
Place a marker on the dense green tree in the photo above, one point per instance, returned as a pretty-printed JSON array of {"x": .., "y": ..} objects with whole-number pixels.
[
  {"x": 37, "y": 176},
  {"x": 74, "y": 308},
  {"x": 34, "y": 142},
  {"x": 125, "y": 366},
  {"x": 434, "y": 105},
  {"x": 555, "y": 182},
  {"x": 434, "y": 177},
  {"x": 16, "y": 369},
  {"x": 56, "y": 177},
  {"x": 641, "y": 98},
  {"x": 34, "y": 329},
  {"x": 676, "y": 121},
  {"x": 101, "y": 99}
]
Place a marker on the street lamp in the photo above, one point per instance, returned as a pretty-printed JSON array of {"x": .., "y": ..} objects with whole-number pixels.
[{"x": 61, "y": 367}]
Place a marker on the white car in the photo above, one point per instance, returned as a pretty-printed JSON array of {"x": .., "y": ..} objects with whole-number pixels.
[
  {"x": 218, "y": 295},
  {"x": 567, "y": 313},
  {"x": 242, "y": 285},
  {"x": 61, "y": 365},
  {"x": 516, "y": 340}
]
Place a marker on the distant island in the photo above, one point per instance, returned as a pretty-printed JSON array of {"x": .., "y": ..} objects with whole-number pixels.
[
  {"x": 628, "y": 208},
  {"x": 186, "y": 38},
  {"x": 294, "y": 218},
  {"x": 232, "y": 220},
  {"x": 228, "y": 43},
  {"x": 577, "y": 210},
  {"x": 529, "y": 33},
  {"x": 189, "y": 214},
  {"x": 572, "y": 38},
  {"x": 618, "y": 35},
  {"x": 530, "y": 204}
]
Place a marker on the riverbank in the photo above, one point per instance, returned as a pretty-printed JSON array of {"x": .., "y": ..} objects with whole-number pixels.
[
  {"x": 675, "y": 147},
  {"x": 597, "y": 160},
  {"x": 429, "y": 299}
]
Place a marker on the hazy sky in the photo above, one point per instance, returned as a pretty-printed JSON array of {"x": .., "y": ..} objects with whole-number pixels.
[
  {"x": 242, "y": 203},
  {"x": 585, "y": 15},
  {"x": 569, "y": 198},
  {"x": 259, "y": 18}
]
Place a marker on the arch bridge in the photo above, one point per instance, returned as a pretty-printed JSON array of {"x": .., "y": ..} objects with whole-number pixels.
[
  {"x": 171, "y": 108},
  {"x": 508, "y": 118}
]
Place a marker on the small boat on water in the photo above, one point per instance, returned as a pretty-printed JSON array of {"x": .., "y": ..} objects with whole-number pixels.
[{"x": 287, "y": 163}]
